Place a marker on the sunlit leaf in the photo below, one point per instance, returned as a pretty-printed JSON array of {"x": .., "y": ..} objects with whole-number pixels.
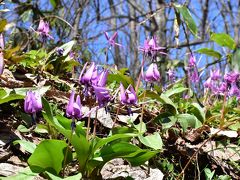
[
  {"x": 28, "y": 146},
  {"x": 187, "y": 17},
  {"x": 153, "y": 141},
  {"x": 223, "y": 39},
  {"x": 209, "y": 52},
  {"x": 48, "y": 156}
]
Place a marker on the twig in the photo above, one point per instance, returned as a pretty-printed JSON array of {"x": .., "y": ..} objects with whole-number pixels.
[{"x": 196, "y": 152}]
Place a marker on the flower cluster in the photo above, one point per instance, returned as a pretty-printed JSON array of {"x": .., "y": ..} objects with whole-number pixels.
[
  {"x": 43, "y": 30},
  {"x": 192, "y": 70},
  {"x": 228, "y": 85}
]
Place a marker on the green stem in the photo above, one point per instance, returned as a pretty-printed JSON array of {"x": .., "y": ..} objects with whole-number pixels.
[
  {"x": 223, "y": 109},
  {"x": 66, "y": 153},
  {"x": 95, "y": 125},
  {"x": 141, "y": 119},
  {"x": 88, "y": 124}
]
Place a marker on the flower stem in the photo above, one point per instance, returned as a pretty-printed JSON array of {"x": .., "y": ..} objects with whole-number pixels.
[
  {"x": 141, "y": 119},
  {"x": 95, "y": 125},
  {"x": 66, "y": 153},
  {"x": 140, "y": 75},
  {"x": 88, "y": 124},
  {"x": 115, "y": 120},
  {"x": 222, "y": 112}
]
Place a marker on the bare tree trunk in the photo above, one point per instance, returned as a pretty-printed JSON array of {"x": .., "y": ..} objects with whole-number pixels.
[{"x": 121, "y": 63}]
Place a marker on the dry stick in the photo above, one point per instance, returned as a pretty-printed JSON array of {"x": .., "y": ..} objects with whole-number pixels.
[{"x": 185, "y": 167}]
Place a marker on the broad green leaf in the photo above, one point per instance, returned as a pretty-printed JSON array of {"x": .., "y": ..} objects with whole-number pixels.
[
  {"x": 135, "y": 155},
  {"x": 3, "y": 23},
  {"x": 107, "y": 140},
  {"x": 47, "y": 108},
  {"x": 41, "y": 129},
  {"x": 198, "y": 111},
  {"x": 210, "y": 52},
  {"x": 23, "y": 129},
  {"x": 223, "y": 39},
  {"x": 7, "y": 95},
  {"x": 141, "y": 127},
  {"x": 124, "y": 79},
  {"x": 28, "y": 146},
  {"x": 77, "y": 139},
  {"x": 187, "y": 17},
  {"x": 153, "y": 141},
  {"x": 67, "y": 47},
  {"x": 163, "y": 98},
  {"x": 25, "y": 174},
  {"x": 188, "y": 120},
  {"x": 74, "y": 177},
  {"x": 208, "y": 173},
  {"x": 166, "y": 120},
  {"x": 173, "y": 91},
  {"x": 49, "y": 156},
  {"x": 23, "y": 91}
]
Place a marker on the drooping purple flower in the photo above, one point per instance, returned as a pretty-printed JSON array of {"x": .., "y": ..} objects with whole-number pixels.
[
  {"x": 234, "y": 91},
  {"x": 193, "y": 74},
  {"x": 111, "y": 40},
  {"x": 86, "y": 77},
  {"x": 223, "y": 88},
  {"x": 43, "y": 29},
  {"x": 152, "y": 73},
  {"x": 208, "y": 83},
  {"x": 150, "y": 47},
  {"x": 74, "y": 107},
  {"x": 192, "y": 61},
  {"x": 231, "y": 77},
  {"x": 192, "y": 70},
  {"x": 171, "y": 75},
  {"x": 215, "y": 75},
  {"x": 128, "y": 96},
  {"x": 102, "y": 95},
  {"x": 1, "y": 62},
  {"x": 101, "y": 79},
  {"x": 32, "y": 102}
]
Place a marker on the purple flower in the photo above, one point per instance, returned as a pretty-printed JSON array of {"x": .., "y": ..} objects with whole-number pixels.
[
  {"x": 74, "y": 107},
  {"x": 1, "y": 62},
  {"x": 111, "y": 40},
  {"x": 215, "y": 75},
  {"x": 192, "y": 70},
  {"x": 193, "y": 74},
  {"x": 85, "y": 78},
  {"x": 32, "y": 102},
  {"x": 208, "y": 83},
  {"x": 43, "y": 29},
  {"x": 152, "y": 73},
  {"x": 231, "y": 77},
  {"x": 102, "y": 95},
  {"x": 171, "y": 75},
  {"x": 128, "y": 96},
  {"x": 101, "y": 79},
  {"x": 234, "y": 91},
  {"x": 192, "y": 61},
  {"x": 150, "y": 47},
  {"x": 223, "y": 87}
]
